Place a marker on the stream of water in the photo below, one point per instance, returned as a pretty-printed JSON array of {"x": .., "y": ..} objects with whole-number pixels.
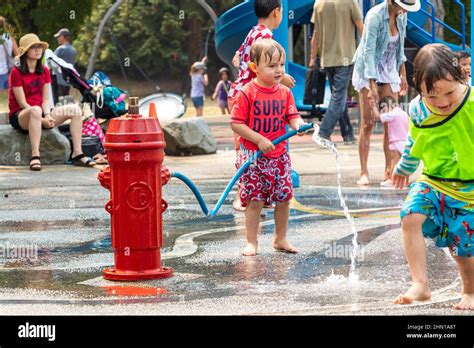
[{"x": 353, "y": 277}]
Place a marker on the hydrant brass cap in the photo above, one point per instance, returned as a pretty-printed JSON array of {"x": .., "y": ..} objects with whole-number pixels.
[{"x": 133, "y": 108}]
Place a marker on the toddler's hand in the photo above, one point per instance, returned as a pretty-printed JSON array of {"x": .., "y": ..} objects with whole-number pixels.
[
  {"x": 288, "y": 81},
  {"x": 400, "y": 181},
  {"x": 265, "y": 145},
  {"x": 236, "y": 60},
  {"x": 298, "y": 126}
]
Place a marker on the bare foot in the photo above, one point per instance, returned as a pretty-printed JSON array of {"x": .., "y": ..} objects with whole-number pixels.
[
  {"x": 237, "y": 205},
  {"x": 284, "y": 246},
  {"x": 100, "y": 159},
  {"x": 364, "y": 180},
  {"x": 417, "y": 292},
  {"x": 467, "y": 302},
  {"x": 249, "y": 250}
]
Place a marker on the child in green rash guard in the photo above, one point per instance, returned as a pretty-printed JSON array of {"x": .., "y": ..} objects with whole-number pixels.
[{"x": 440, "y": 204}]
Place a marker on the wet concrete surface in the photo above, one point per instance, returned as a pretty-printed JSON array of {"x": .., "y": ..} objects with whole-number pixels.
[{"x": 59, "y": 212}]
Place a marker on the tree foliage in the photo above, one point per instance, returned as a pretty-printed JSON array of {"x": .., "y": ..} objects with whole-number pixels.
[
  {"x": 163, "y": 37},
  {"x": 45, "y": 17},
  {"x": 452, "y": 16}
]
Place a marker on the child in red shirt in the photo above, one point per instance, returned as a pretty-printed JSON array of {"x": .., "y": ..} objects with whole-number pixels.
[
  {"x": 269, "y": 14},
  {"x": 29, "y": 105},
  {"x": 260, "y": 114}
]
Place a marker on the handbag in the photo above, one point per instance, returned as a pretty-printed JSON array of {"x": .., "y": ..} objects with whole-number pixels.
[
  {"x": 315, "y": 85},
  {"x": 91, "y": 146},
  {"x": 92, "y": 143}
]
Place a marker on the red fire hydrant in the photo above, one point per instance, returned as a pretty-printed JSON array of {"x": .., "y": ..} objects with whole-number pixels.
[{"x": 135, "y": 153}]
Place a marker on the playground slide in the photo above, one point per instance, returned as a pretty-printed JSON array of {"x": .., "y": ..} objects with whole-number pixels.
[{"x": 232, "y": 27}]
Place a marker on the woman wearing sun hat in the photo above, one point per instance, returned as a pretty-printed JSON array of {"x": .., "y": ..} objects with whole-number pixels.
[
  {"x": 29, "y": 103},
  {"x": 379, "y": 69}
]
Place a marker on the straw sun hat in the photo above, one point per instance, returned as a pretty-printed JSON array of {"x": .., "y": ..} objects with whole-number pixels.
[{"x": 27, "y": 41}]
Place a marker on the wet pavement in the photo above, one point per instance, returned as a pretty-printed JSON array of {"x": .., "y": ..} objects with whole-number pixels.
[{"x": 59, "y": 214}]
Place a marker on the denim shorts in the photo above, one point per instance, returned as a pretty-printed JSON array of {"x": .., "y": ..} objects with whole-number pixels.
[
  {"x": 198, "y": 102},
  {"x": 4, "y": 81},
  {"x": 449, "y": 221}
]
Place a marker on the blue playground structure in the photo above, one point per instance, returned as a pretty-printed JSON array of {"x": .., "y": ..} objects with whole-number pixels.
[{"x": 232, "y": 27}]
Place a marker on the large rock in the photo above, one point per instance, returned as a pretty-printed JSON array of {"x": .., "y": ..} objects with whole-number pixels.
[
  {"x": 3, "y": 118},
  {"x": 189, "y": 137},
  {"x": 15, "y": 147}
]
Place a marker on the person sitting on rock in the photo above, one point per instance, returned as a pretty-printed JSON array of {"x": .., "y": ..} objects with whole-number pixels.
[{"x": 29, "y": 104}]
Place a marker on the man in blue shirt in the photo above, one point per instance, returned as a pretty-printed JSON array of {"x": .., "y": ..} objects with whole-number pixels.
[{"x": 66, "y": 52}]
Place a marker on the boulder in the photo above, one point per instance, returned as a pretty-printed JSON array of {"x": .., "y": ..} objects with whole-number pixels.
[
  {"x": 15, "y": 147},
  {"x": 3, "y": 118},
  {"x": 188, "y": 137}
]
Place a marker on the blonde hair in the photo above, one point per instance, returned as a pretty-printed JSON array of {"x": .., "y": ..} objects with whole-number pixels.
[
  {"x": 192, "y": 70},
  {"x": 266, "y": 47}
]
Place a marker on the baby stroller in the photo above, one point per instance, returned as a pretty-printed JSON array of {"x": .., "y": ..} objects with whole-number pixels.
[
  {"x": 93, "y": 134},
  {"x": 106, "y": 100}
]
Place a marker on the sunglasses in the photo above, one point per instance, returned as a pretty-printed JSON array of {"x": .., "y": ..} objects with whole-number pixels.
[{"x": 37, "y": 46}]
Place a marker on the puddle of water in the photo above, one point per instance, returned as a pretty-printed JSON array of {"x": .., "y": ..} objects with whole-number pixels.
[
  {"x": 339, "y": 279},
  {"x": 353, "y": 277},
  {"x": 122, "y": 290}
]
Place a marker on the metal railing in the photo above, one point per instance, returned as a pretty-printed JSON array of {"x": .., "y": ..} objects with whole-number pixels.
[{"x": 432, "y": 16}]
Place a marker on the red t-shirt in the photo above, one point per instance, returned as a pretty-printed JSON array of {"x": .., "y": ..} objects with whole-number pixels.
[
  {"x": 266, "y": 111},
  {"x": 32, "y": 84}
]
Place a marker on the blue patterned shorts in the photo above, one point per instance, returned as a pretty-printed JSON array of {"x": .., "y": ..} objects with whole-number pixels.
[{"x": 450, "y": 222}]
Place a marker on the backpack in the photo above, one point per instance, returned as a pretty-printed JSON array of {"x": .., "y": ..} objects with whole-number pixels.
[
  {"x": 107, "y": 95},
  {"x": 114, "y": 98},
  {"x": 100, "y": 76}
]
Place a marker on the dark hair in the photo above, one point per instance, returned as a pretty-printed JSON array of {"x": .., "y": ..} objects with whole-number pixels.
[
  {"x": 39, "y": 69},
  {"x": 267, "y": 47},
  {"x": 434, "y": 62},
  {"x": 387, "y": 101},
  {"x": 462, "y": 54},
  {"x": 263, "y": 8}
]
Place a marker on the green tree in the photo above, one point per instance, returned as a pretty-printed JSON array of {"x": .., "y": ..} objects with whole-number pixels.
[
  {"x": 163, "y": 37},
  {"x": 45, "y": 17}
]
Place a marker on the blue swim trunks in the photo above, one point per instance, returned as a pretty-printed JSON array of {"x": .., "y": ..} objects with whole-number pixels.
[{"x": 450, "y": 222}]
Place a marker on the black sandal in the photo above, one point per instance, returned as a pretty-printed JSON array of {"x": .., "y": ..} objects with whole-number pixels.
[
  {"x": 77, "y": 161},
  {"x": 35, "y": 166}
]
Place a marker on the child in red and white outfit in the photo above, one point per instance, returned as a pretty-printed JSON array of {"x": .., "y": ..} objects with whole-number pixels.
[{"x": 260, "y": 114}]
